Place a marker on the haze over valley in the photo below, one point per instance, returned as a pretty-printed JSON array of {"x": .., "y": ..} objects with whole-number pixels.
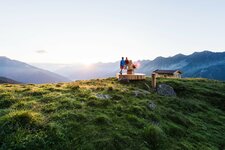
[{"x": 203, "y": 64}]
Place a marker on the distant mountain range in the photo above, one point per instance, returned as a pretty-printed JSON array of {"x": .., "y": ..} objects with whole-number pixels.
[
  {"x": 25, "y": 73},
  {"x": 7, "y": 80},
  {"x": 204, "y": 64}
]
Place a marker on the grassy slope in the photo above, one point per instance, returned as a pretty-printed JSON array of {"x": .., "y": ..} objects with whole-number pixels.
[{"x": 70, "y": 116}]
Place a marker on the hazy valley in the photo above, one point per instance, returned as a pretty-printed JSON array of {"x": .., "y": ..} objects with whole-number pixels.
[{"x": 204, "y": 64}]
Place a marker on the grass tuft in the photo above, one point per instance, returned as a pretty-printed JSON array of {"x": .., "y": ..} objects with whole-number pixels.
[{"x": 155, "y": 137}]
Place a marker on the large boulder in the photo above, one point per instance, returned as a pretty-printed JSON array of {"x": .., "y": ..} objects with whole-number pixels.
[{"x": 165, "y": 90}]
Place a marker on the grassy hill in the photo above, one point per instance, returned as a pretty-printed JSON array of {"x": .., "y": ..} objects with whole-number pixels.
[{"x": 106, "y": 114}]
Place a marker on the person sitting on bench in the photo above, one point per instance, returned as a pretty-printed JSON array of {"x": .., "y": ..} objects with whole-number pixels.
[{"x": 131, "y": 67}]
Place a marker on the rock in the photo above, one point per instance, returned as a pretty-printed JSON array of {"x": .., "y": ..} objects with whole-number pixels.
[
  {"x": 124, "y": 80},
  {"x": 140, "y": 93},
  {"x": 165, "y": 90},
  {"x": 152, "y": 106},
  {"x": 103, "y": 96},
  {"x": 137, "y": 93}
]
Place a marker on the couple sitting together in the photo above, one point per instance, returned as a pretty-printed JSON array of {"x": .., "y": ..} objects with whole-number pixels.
[{"x": 127, "y": 64}]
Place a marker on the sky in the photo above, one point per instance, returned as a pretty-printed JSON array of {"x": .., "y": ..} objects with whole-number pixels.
[{"x": 88, "y": 31}]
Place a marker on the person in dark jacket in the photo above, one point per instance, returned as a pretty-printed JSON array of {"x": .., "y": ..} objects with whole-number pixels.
[{"x": 122, "y": 65}]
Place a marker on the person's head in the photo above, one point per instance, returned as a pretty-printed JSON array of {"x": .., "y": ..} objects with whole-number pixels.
[
  {"x": 126, "y": 58},
  {"x": 122, "y": 58}
]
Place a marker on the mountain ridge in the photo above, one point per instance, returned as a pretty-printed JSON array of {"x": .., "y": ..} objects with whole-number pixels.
[
  {"x": 191, "y": 65},
  {"x": 23, "y": 72}
]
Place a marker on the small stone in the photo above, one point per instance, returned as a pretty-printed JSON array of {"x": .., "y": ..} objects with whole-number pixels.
[
  {"x": 156, "y": 123},
  {"x": 152, "y": 106},
  {"x": 103, "y": 96},
  {"x": 136, "y": 93}
]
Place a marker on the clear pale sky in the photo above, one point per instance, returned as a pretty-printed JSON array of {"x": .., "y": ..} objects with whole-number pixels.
[{"x": 69, "y": 31}]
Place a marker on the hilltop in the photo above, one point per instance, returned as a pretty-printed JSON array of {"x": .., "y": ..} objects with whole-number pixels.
[
  {"x": 106, "y": 114},
  {"x": 7, "y": 80}
]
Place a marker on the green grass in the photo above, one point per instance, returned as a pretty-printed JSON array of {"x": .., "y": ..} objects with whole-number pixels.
[{"x": 72, "y": 116}]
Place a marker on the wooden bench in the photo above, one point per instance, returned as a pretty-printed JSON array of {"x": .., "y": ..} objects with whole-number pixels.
[{"x": 135, "y": 76}]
